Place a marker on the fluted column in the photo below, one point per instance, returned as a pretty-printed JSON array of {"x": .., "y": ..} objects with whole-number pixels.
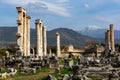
[
  {"x": 38, "y": 23},
  {"x": 45, "y": 41},
  {"x": 107, "y": 42},
  {"x": 38, "y": 36},
  {"x": 28, "y": 36},
  {"x": 20, "y": 32},
  {"x": 24, "y": 35},
  {"x": 112, "y": 38},
  {"x": 41, "y": 39},
  {"x": 58, "y": 44},
  {"x": 106, "y": 45}
]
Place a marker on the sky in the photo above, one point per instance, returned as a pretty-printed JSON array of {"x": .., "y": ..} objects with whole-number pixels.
[{"x": 73, "y": 14}]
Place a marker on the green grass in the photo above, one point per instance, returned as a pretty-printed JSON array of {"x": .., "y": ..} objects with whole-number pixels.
[
  {"x": 62, "y": 61},
  {"x": 44, "y": 69},
  {"x": 23, "y": 76},
  {"x": 74, "y": 61},
  {"x": 56, "y": 75},
  {"x": 17, "y": 78},
  {"x": 5, "y": 70},
  {"x": 43, "y": 78},
  {"x": 95, "y": 78},
  {"x": 65, "y": 70}
]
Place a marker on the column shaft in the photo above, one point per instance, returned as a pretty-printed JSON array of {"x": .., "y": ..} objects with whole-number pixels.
[
  {"x": 58, "y": 44},
  {"x": 39, "y": 38},
  {"x": 112, "y": 37},
  {"x": 28, "y": 36},
  {"x": 24, "y": 34},
  {"x": 45, "y": 41}
]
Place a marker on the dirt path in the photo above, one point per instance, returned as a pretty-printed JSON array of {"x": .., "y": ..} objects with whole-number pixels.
[{"x": 32, "y": 77}]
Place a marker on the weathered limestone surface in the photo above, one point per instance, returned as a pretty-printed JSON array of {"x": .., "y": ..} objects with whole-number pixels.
[
  {"x": 20, "y": 27},
  {"x": 107, "y": 42},
  {"x": 38, "y": 23},
  {"x": 41, "y": 39},
  {"x": 28, "y": 35},
  {"x": 112, "y": 38},
  {"x": 23, "y": 34},
  {"x": 109, "y": 39},
  {"x": 58, "y": 44},
  {"x": 45, "y": 41}
]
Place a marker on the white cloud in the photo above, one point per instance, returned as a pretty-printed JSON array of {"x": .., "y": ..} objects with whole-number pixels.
[
  {"x": 63, "y": 0},
  {"x": 38, "y": 5},
  {"x": 18, "y": 2},
  {"x": 86, "y": 6},
  {"x": 92, "y": 27}
]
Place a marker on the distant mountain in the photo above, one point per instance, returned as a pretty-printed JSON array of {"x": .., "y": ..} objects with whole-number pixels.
[
  {"x": 98, "y": 33},
  {"x": 8, "y": 34},
  {"x": 68, "y": 36}
]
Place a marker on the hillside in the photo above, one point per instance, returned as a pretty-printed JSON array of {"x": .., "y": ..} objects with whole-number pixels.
[
  {"x": 98, "y": 33},
  {"x": 68, "y": 36},
  {"x": 8, "y": 34}
]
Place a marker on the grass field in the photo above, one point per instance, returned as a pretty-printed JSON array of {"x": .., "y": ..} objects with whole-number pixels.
[{"x": 39, "y": 75}]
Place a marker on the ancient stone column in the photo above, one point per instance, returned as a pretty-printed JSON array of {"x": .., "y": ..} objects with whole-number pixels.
[
  {"x": 106, "y": 46},
  {"x": 20, "y": 27},
  {"x": 112, "y": 38},
  {"x": 107, "y": 42},
  {"x": 23, "y": 34},
  {"x": 58, "y": 44},
  {"x": 38, "y": 23},
  {"x": 28, "y": 36},
  {"x": 41, "y": 39},
  {"x": 38, "y": 35},
  {"x": 45, "y": 41},
  {"x": 20, "y": 32}
]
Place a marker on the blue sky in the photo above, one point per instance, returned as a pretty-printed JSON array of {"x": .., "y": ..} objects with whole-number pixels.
[{"x": 74, "y": 14}]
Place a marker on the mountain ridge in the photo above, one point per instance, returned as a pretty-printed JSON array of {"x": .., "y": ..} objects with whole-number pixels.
[
  {"x": 68, "y": 36},
  {"x": 99, "y": 33}
]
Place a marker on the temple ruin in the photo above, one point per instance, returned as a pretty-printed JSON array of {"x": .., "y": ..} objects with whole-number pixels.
[
  {"x": 112, "y": 38},
  {"x": 23, "y": 34},
  {"x": 80, "y": 63},
  {"x": 109, "y": 40}
]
